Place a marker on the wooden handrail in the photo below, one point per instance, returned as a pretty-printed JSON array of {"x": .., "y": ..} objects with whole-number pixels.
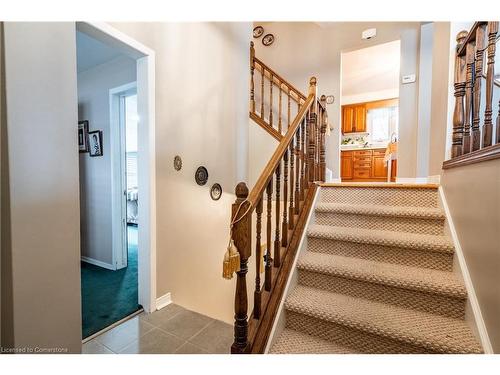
[
  {"x": 291, "y": 173},
  {"x": 473, "y": 123}
]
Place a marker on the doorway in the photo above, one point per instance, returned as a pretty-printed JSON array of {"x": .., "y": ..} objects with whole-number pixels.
[
  {"x": 116, "y": 109},
  {"x": 370, "y": 113}
]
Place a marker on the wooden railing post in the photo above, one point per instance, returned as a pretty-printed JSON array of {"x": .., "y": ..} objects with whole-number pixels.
[
  {"x": 252, "y": 84},
  {"x": 322, "y": 150},
  {"x": 488, "y": 112},
  {"x": 476, "y": 131},
  {"x": 241, "y": 236},
  {"x": 469, "y": 79},
  {"x": 458, "y": 114},
  {"x": 311, "y": 131}
]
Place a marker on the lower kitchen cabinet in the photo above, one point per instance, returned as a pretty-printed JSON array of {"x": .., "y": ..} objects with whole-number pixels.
[{"x": 365, "y": 165}]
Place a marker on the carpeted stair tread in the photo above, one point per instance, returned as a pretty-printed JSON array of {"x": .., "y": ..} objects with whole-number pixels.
[
  {"x": 432, "y": 332},
  {"x": 377, "y": 210},
  {"x": 393, "y": 275},
  {"x": 291, "y": 341},
  {"x": 424, "y": 242}
]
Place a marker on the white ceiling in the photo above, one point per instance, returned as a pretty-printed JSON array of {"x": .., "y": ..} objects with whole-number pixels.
[
  {"x": 90, "y": 52},
  {"x": 371, "y": 69}
]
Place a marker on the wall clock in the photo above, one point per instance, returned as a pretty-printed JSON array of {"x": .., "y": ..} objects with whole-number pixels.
[
  {"x": 258, "y": 31},
  {"x": 201, "y": 176},
  {"x": 216, "y": 192},
  {"x": 268, "y": 40}
]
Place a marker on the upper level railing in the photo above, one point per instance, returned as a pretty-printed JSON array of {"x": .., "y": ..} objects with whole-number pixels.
[
  {"x": 275, "y": 102},
  {"x": 298, "y": 161},
  {"x": 475, "y": 137}
]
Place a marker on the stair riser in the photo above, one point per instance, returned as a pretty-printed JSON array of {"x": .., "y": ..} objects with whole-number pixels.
[
  {"x": 453, "y": 307},
  {"x": 391, "y": 223},
  {"x": 360, "y": 341},
  {"x": 387, "y": 254},
  {"x": 381, "y": 196}
]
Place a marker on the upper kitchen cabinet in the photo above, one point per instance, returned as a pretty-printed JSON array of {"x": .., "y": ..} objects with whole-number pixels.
[{"x": 354, "y": 118}]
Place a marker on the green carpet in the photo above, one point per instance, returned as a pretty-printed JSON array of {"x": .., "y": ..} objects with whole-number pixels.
[{"x": 108, "y": 296}]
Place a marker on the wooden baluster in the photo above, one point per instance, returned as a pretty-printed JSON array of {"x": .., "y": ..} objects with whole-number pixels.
[
  {"x": 241, "y": 236},
  {"x": 458, "y": 114},
  {"x": 262, "y": 76},
  {"x": 322, "y": 150},
  {"x": 268, "y": 259},
  {"x": 288, "y": 109},
  {"x": 312, "y": 130},
  {"x": 291, "y": 213},
  {"x": 297, "y": 172},
  {"x": 271, "y": 100},
  {"x": 279, "y": 111},
  {"x": 498, "y": 124},
  {"x": 252, "y": 85},
  {"x": 490, "y": 71},
  {"x": 303, "y": 162},
  {"x": 469, "y": 79},
  {"x": 476, "y": 131},
  {"x": 277, "y": 241},
  {"x": 257, "y": 297},
  {"x": 284, "y": 231},
  {"x": 298, "y": 105}
]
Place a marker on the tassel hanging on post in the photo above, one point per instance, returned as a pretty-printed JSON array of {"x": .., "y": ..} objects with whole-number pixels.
[{"x": 231, "y": 262}]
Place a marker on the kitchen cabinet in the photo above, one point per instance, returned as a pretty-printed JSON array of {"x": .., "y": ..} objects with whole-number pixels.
[
  {"x": 365, "y": 165},
  {"x": 354, "y": 118}
]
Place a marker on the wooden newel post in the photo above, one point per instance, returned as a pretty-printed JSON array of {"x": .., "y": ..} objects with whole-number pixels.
[
  {"x": 311, "y": 128},
  {"x": 322, "y": 150},
  {"x": 241, "y": 235},
  {"x": 458, "y": 114},
  {"x": 252, "y": 84}
]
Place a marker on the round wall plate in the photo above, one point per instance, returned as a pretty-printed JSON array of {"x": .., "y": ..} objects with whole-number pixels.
[
  {"x": 201, "y": 176},
  {"x": 216, "y": 192},
  {"x": 177, "y": 163},
  {"x": 268, "y": 40},
  {"x": 258, "y": 31}
]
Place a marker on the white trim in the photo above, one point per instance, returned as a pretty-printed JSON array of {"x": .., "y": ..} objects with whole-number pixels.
[
  {"x": 118, "y": 180},
  {"x": 145, "y": 58},
  {"x": 476, "y": 310},
  {"x": 302, "y": 245},
  {"x": 98, "y": 263},
  {"x": 412, "y": 180},
  {"x": 163, "y": 301},
  {"x": 436, "y": 179}
]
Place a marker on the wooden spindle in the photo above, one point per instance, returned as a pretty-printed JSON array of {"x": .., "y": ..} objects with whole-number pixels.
[
  {"x": 297, "y": 172},
  {"x": 252, "y": 85},
  {"x": 241, "y": 236},
  {"x": 303, "y": 161},
  {"x": 279, "y": 111},
  {"x": 268, "y": 260},
  {"x": 490, "y": 71},
  {"x": 458, "y": 114},
  {"x": 469, "y": 79},
  {"x": 498, "y": 124},
  {"x": 291, "y": 212},
  {"x": 284, "y": 231},
  {"x": 262, "y": 76},
  {"x": 271, "y": 100},
  {"x": 257, "y": 297},
  {"x": 322, "y": 150},
  {"x": 311, "y": 128},
  {"x": 277, "y": 240},
  {"x": 476, "y": 131},
  {"x": 288, "y": 126}
]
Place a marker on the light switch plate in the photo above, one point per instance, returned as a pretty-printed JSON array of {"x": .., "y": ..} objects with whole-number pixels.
[{"x": 409, "y": 78}]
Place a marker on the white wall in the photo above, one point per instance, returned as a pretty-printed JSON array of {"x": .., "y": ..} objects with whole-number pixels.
[
  {"x": 95, "y": 172},
  {"x": 261, "y": 146},
  {"x": 202, "y": 95},
  {"x": 44, "y": 269}
]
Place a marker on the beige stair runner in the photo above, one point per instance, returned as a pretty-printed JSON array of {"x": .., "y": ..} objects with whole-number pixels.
[{"x": 377, "y": 278}]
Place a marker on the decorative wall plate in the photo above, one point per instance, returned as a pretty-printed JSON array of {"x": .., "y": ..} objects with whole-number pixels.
[
  {"x": 177, "y": 163},
  {"x": 216, "y": 192},
  {"x": 201, "y": 176},
  {"x": 258, "y": 31},
  {"x": 268, "y": 40}
]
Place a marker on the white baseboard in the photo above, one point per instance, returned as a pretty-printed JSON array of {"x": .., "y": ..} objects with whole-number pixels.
[
  {"x": 163, "y": 301},
  {"x": 98, "y": 263},
  {"x": 476, "y": 310},
  {"x": 436, "y": 179},
  {"x": 419, "y": 180}
]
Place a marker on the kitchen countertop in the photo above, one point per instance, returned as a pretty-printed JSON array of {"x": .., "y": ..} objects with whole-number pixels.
[{"x": 357, "y": 148}]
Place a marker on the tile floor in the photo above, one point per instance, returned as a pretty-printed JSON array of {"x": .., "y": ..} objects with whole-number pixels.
[{"x": 171, "y": 330}]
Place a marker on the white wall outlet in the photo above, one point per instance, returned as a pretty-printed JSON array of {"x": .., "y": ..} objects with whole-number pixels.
[{"x": 409, "y": 78}]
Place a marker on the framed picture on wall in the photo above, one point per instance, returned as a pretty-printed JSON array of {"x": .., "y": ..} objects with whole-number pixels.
[
  {"x": 95, "y": 143},
  {"x": 83, "y": 130}
]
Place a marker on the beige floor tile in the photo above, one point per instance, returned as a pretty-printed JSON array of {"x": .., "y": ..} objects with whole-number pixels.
[
  {"x": 189, "y": 348},
  {"x": 95, "y": 347},
  {"x": 154, "y": 342},
  {"x": 186, "y": 324},
  {"x": 119, "y": 337},
  {"x": 161, "y": 316},
  {"x": 215, "y": 338}
]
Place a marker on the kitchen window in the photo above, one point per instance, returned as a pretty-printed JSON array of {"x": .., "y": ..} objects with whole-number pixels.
[{"x": 382, "y": 122}]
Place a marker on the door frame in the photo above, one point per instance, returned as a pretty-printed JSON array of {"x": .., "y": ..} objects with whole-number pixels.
[
  {"x": 118, "y": 171},
  {"x": 146, "y": 163}
]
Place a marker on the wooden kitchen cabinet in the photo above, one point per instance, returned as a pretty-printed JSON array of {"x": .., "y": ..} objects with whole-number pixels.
[
  {"x": 364, "y": 165},
  {"x": 353, "y": 118},
  {"x": 346, "y": 165},
  {"x": 379, "y": 168}
]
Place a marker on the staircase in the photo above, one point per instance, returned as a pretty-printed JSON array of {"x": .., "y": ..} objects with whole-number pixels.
[{"x": 376, "y": 276}]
